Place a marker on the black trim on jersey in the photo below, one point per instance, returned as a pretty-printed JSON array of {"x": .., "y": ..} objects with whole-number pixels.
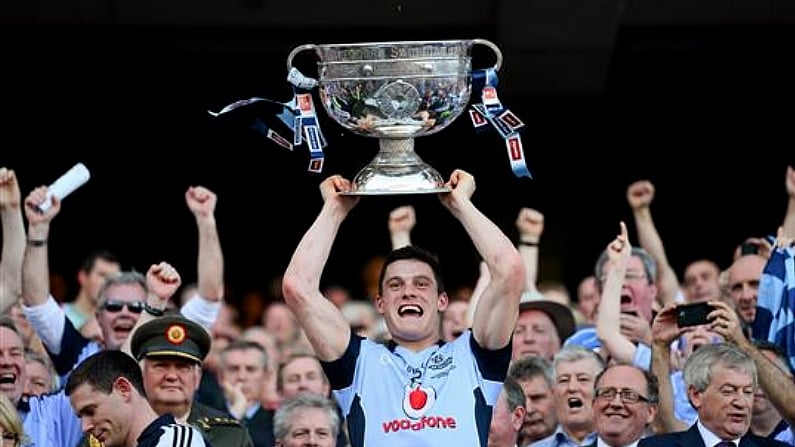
[
  {"x": 391, "y": 345},
  {"x": 356, "y": 422},
  {"x": 340, "y": 372},
  {"x": 482, "y": 416},
  {"x": 493, "y": 364},
  {"x": 72, "y": 344}
]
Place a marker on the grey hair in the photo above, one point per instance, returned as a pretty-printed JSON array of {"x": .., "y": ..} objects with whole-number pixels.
[
  {"x": 514, "y": 394},
  {"x": 698, "y": 367},
  {"x": 649, "y": 266},
  {"x": 129, "y": 277},
  {"x": 530, "y": 366},
  {"x": 283, "y": 419},
  {"x": 574, "y": 353},
  {"x": 33, "y": 356}
]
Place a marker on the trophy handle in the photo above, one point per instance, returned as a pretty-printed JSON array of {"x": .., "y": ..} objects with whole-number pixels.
[
  {"x": 485, "y": 42},
  {"x": 310, "y": 46}
]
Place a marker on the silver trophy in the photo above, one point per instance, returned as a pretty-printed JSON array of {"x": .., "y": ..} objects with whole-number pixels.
[{"x": 396, "y": 91}]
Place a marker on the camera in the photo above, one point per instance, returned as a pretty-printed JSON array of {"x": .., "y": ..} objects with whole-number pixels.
[{"x": 694, "y": 314}]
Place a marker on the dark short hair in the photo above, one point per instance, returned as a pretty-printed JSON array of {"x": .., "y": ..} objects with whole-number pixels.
[
  {"x": 244, "y": 345},
  {"x": 92, "y": 258},
  {"x": 416, "y": 253},
  {"x": 101, "y": 371}
]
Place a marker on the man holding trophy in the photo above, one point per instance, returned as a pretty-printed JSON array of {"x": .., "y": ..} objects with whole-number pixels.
[{"x": 418, "y": 390}]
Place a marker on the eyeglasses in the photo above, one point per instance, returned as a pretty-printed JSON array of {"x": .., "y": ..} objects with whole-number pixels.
[
  {"x": 628, "y": 395},
  {"x": 114, "y": 306}
]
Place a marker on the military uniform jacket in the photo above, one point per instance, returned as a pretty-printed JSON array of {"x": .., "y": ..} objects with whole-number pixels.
[{"x": 218, "y": 428}]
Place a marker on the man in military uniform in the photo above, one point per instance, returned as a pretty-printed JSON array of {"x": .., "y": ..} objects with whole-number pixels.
[{"x": 170, "y": 350}]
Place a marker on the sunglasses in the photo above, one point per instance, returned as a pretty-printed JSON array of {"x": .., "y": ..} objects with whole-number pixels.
[{"x": 114, "y": 306}]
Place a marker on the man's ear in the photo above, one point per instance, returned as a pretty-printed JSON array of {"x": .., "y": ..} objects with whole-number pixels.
[
  {"x": 694, "y": 396},
  {"x": 442, "y": 301},
  {"x": 123, "y": 386},
  {"x": 379, "y": 304}
]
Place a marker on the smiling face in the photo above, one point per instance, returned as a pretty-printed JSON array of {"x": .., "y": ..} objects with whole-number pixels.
[
  {"x": 616, "y": 421},
  {"x": 102, "y": 415},
  {"x": 116, "y": 326},
  {"x": 12, "y": 364},
  {"x": 411, "y": 303}
]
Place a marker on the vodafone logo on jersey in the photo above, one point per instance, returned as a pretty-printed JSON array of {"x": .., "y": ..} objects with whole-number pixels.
[{"x": 417, "y": 400}]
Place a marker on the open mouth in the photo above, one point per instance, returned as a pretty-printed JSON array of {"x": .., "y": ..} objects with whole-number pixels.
[
  {"x": 410, "y": 310},
  {"x": 8, "y": 378},
  {"x": 574, "y": 402},
  {"x": 626, "y": 299}
]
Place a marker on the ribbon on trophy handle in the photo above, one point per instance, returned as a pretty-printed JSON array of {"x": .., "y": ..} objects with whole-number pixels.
[
  {"x": 297, "y": 116},
  {"x": 306, "y": 126},
  {"x": 263, "y": 110},
  {"x": 491, "y": 111}
]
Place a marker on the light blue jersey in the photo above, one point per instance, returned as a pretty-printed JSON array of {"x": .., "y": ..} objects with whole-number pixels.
[{"x": 440, "y": 396}]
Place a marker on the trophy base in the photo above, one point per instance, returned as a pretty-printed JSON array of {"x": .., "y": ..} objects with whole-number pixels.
[{"x": 379, "y": 180}]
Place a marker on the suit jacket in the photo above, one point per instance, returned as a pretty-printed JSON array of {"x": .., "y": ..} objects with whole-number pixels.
[
  {"x": 692, "y": 438},
  {"x": 260, "y": 427}
]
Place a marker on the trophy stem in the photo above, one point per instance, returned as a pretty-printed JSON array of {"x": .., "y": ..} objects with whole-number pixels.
[{"x": 397, "y": 169}]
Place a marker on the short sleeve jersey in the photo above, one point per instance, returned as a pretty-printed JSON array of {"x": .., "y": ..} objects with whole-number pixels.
[{"x": 440, "y": 396}]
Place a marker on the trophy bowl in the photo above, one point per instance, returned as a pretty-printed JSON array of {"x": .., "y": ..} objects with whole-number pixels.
[{"x": 395, "y": 91}]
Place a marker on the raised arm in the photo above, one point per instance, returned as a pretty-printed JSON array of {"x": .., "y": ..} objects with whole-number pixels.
[
  {"x": 401, "y": 221},
  {"x": 608, "y": 330},
  {"x": 640, "y": 195},
  {"x": 201, "y": 202},
  {"x": 326, "y": 328},
  {"x": 13, "y": 240},
  {"x": 789, "y": 218},
  {"x": 162, "y": 280},
  {"x": 498, "y": 306},
  {"x": 35, "y": 267},
  {"x": 664, "y": 331},
  {"x": 530, "y": 224}
]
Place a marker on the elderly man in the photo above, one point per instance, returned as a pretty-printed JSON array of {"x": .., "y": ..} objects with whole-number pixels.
[
  {"x": 170, "y": 350},
  {"x": 575, "y": 370},
  {"x": 306, "y": 419},
  {"x": 721, "y": 381}
]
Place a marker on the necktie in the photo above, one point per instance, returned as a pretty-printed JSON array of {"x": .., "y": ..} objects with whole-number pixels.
[{"x": 725, "y": 444}]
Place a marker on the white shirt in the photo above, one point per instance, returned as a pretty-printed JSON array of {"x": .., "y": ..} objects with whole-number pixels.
[{"x": 711, "y": 439}]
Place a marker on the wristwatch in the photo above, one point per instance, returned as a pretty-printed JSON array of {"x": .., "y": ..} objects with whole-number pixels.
[{"x": 153, "y": 311}]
